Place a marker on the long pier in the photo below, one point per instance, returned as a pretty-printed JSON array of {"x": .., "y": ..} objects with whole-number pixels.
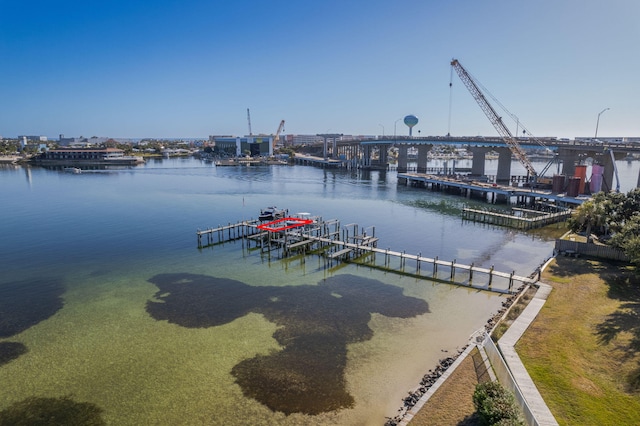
[
  {"x": 494, "y": 193},
  {"x": 518, "y": 218},
  {"x": 351, "y": 243}
]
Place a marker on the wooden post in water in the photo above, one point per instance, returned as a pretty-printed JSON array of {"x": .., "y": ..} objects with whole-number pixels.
[
  {"x": 490, "y": 276},
  {"x": 453, "y": 269},
  {"x": 471, "y": 273},
  {"x": 435, "y": 267}
]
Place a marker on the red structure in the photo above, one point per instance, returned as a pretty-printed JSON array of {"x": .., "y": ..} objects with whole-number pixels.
[{"x": 284, "y": 224}]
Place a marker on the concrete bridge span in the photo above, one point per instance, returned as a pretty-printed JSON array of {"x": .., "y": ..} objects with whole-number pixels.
[{"x": 374, "y": 153}]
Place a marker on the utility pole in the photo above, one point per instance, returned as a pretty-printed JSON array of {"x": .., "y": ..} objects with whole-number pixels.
[{"x": 249, "y": 121}]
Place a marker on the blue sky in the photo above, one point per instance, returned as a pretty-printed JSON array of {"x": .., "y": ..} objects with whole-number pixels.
[{"x": 191, "y": 68}]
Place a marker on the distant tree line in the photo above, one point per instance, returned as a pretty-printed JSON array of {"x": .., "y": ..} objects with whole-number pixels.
[
  {"x": 9, "y": 146},
  {"x": 613, "y": 218}
]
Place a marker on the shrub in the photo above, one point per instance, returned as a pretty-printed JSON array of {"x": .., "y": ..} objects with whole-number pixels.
[{"x": 495, "y": 405}]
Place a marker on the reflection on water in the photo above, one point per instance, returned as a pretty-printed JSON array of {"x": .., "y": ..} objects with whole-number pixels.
[{"x": 105, "y": 299}]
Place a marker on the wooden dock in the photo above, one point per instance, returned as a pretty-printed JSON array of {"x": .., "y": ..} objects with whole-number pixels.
[
  {"x": 518, "y": 218},
  {"x": 229, "y": 232},
  {"x": 353, "y": 244}
]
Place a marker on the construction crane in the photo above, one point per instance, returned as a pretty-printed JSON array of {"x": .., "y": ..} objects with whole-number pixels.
[
  {"x": 495, "y": 119},
  {"x": 276, "y": 138},
  {"x": 249, "y": 121}
]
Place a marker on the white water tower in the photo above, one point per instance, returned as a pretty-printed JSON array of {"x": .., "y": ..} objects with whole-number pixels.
[{"x": 410, "y": 121}]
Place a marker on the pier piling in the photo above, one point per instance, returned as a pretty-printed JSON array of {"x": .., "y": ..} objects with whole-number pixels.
[{"x": 323, "y": 238}]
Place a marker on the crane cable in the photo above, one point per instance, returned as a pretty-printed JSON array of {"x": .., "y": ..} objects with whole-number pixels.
[
  {"x": 513, "y": 116},
  {"x": 450, "y": 99}
]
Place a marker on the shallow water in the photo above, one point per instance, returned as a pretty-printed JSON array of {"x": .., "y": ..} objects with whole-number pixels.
[{"x": 115, "y": 306}]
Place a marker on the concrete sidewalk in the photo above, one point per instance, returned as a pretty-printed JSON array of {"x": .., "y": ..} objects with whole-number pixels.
[{"x": 507, "y": 344}]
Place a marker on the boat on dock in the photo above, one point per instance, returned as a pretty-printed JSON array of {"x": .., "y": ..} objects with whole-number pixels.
[
  {"x": 272, "y": 213},
  {"x": 291, "y": 237}
]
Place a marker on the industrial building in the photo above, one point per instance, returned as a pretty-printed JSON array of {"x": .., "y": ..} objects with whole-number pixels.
[{"x": 238, "y": 146}]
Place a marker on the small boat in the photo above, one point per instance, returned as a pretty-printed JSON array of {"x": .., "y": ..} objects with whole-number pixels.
[
  {"x": 272, "y": 213},
  {"x": 72, "y": 170}
]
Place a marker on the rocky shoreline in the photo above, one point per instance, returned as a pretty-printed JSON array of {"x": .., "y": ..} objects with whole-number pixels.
[{"x": 432, "y": 376}]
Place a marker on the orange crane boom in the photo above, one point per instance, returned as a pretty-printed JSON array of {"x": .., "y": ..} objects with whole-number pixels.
[
  {"x": 493, "y": 117},
  {"x": 276, "y": 138}
]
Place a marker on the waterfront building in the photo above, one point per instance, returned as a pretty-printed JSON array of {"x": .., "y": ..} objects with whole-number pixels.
[
  {"x": 254, "y": 145},
  {"x": 99, "y": 156}
]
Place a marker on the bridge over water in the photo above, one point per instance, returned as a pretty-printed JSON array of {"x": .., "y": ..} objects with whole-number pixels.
[{"x": 374, "y": 153}]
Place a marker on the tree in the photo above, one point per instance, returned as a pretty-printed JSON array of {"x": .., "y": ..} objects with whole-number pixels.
[
  {"x": 614, "y": 213},
  {"x": 588, "y": 215},
  {"x": 628, "y": 239},
  {"x": 496, "y": 405}
]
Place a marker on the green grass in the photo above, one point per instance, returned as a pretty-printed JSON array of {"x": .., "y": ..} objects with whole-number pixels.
[
  {"x": 513, "y": 313},
  {"x": 582, "y": 351}
]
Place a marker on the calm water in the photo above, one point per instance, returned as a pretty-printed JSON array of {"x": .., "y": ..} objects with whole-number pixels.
[{"x": 107, "y": 304}]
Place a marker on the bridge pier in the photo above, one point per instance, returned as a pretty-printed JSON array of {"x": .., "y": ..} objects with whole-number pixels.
[
  {"x": 383, "y": 156},
  {"x": 423, "y": 152},
  {"x": 607, "y": 173},
  {"x": 504, "y": 165},
  {"x": 365, "y": 162},
  {"x": 403, "y": 158},
  {"x": 569, "y": 158},
  {"x": 334, "y": 146},
  {"x": 382, "y": 163},
  {"x": 477, "y": 162}
]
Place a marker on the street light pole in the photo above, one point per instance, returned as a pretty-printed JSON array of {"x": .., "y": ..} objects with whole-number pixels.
[
  {"x": 598, "y": 122},
  {"x": 394, "y": 127},
  {"x": 382, "y": 129}
]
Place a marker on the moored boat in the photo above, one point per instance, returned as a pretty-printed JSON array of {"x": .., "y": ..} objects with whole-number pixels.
[{"x": 272, "y": 213}]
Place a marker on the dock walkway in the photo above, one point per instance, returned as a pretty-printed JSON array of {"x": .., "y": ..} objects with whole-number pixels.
[
  {"x": 351, "y": 243},
  {"x": 521, "y": 221}
]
